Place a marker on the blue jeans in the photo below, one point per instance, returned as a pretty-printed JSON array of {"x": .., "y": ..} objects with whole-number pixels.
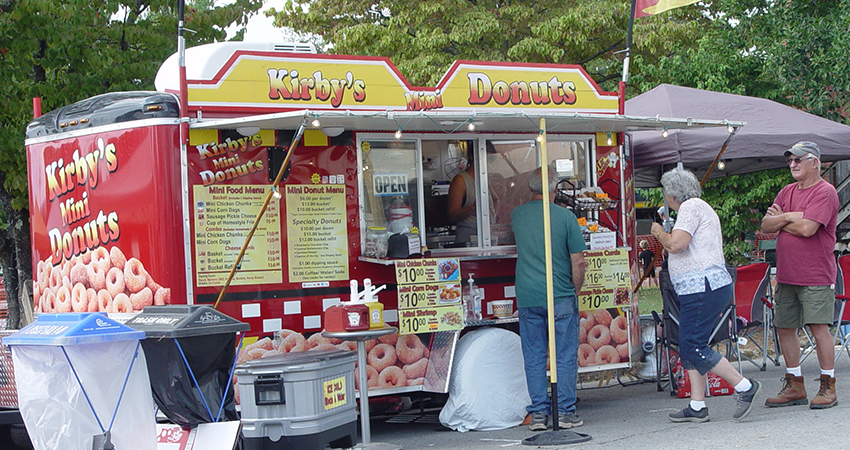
[
  {"x": 534, "y": 337},
  {"x": 698, "y": 314}
]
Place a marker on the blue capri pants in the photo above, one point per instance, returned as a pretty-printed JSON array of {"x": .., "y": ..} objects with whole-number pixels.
[{"x": 698, "y": 314}]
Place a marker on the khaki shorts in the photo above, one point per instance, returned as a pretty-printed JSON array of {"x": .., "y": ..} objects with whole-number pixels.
[{"x": 802, "y": 305}]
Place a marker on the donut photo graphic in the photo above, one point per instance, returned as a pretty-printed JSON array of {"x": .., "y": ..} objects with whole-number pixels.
[
  {"x": 99, "y": 280},
  {"x": 392, "y": 361},
  {"x": 603, "y": 337}
]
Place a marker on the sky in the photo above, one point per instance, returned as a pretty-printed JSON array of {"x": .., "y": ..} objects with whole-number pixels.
[{"x": 260, "y": 28}]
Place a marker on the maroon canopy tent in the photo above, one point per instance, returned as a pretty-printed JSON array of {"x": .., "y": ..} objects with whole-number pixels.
[{"x": 770, "y": 130}]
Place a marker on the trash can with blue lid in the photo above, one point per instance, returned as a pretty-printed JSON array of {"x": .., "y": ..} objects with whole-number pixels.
[
  {"x": 191, "y": 352},
  {"x": 82, "y": 383},
  {"x": 300, "y": 400}
]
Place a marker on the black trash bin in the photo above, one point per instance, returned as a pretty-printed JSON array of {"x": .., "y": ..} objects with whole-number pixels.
[{"x": 191, "y": 351}]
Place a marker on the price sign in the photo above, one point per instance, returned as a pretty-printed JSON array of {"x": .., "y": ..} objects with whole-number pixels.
[
  {"x": 429, "y": 295},
  {"x": 429, "y": 320},
  {"x": 606, "y": 279}
]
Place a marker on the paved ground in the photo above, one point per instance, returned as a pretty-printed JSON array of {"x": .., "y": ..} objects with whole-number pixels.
[{"x": 635, "y": 417}]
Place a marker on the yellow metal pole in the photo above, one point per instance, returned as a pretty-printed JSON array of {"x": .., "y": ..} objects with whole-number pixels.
[{"x": 547, "y": 239}]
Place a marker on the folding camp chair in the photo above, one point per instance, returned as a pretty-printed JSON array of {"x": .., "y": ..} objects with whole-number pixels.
[
  {"x": 667, "y": 347},
  {"x": 754, "y": 300},
  {"x": 841, "y": 314}
]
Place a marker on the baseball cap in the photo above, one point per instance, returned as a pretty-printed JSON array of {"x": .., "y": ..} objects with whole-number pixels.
[{"x": 801, "y": 148}]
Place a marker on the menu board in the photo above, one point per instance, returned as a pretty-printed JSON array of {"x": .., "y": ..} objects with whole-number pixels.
[
  {"x": 223, "y": 218},
  {"x": 429, "y": 295},
  {"x": 316, "y": 232},
  {"x": 606, "y": 280}
]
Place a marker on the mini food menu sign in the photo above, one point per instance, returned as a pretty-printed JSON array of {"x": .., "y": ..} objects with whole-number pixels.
[
  {"x": 223, "y": 218},
  {"x": 429, "y": 295},
  {"x": 606, "y": 280}
]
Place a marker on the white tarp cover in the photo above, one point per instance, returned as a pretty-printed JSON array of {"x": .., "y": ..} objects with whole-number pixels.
[{"x": 487, "y": 390}]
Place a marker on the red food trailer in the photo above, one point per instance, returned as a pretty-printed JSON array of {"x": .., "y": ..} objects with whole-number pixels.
[{"x": 122, "y": 217}]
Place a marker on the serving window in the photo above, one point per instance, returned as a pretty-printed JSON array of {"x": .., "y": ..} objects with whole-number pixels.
[{"x": 453, "y": 175}]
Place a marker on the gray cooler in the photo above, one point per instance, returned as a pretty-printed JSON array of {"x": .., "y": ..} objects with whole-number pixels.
[{"x": 301, "y": 400}]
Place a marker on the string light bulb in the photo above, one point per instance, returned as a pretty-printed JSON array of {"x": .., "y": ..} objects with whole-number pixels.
[
  {"x": 398, "y": 133},
  {"x": 540, "y": 137},
  {"x": 275, "y": 193},
  {"x": 665, "y": 133},
  {"x": 730, "y": 129},
  {"x": 316, "y": 123},
  {"x": 609, "y": 139},
  {"x": 721, "y": 165},
  {"x": 471, "y": 126}
]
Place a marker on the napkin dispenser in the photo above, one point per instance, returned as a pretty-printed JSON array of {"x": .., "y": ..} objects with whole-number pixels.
[{"x": 404, "y": 245}]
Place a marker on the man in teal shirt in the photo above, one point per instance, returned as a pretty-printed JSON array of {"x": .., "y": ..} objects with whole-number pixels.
[{"x": 567, "y": 276}]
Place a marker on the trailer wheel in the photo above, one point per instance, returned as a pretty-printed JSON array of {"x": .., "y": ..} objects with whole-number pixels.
[{"x": 20, "y": 436}]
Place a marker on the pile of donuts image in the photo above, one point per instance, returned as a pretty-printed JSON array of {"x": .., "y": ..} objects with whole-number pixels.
[
  {"x": 392, "y": 360},
  {"x": 99, "y": 280},
  {"x": 603, "y": 338}
]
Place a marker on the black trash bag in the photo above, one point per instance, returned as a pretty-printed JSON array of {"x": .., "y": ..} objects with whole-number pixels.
[{"x": 210, "y": 358}]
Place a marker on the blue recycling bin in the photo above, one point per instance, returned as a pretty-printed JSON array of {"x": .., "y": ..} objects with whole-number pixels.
[{"x": 83, "y": 383}]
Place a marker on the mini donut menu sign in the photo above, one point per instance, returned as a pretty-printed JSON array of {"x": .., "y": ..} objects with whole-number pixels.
[
  {"x": 224, "y": 215},
  {"x": 429, "y": 295},
  {"x": 316, "y": 232},
  {"x": 606, "y": 279}
]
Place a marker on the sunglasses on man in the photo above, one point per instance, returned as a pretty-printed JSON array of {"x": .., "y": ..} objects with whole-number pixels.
[{"x": 792, "y": 161}]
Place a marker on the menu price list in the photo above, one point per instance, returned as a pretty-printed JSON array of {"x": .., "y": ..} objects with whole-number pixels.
[
  {"x": 606, "y": 279},
  {"x": 223, "y": 219},
  {"x": 316, "y": 232},
  {"x": 429, "y": 295}
]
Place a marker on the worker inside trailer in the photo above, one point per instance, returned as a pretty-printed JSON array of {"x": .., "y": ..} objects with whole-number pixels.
[
  {"x": 461, "y": 199},
  {"x": 451, "y": 209}
]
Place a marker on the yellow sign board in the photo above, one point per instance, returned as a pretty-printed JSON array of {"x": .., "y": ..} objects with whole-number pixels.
[
  {"x": 334, "y": 392},
  {"x": 278, "y": 82},
  {"x": 429, "y": 295},
  {"x": 606, "y": 280}
]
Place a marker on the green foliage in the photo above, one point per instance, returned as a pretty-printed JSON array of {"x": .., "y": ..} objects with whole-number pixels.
[
  {"x": 423, "y": 39},
  {"x": 65, "y": 51}
]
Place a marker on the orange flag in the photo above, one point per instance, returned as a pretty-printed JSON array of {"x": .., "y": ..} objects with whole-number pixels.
[{"x": 650, "y": 7}]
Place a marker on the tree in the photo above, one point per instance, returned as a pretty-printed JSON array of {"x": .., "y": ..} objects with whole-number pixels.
[
  {"x": 424, "y": 38},
  {"x": 795, "y": 53},
  {"x": 65, "y": 51}
]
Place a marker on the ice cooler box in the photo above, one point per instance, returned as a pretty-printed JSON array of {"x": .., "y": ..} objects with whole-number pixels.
[
  {"x": 301, "y": 400},
  {"x": 191, "y": 351}
]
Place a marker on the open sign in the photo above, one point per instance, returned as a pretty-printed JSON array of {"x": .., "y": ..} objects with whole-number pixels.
[{"x": 385, "y": 184}]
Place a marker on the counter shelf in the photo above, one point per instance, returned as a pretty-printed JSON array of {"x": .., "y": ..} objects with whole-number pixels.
[
  {"x": 494, "y": 321},
  {"x": 463, "y": 255}
]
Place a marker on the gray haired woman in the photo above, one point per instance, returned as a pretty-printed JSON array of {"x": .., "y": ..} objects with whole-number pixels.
[{"x": 703, "y": 285}]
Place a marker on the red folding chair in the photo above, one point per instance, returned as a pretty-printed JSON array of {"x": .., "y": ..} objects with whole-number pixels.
[
  {"x": 754, "y": 297},
  {"x": 843, "y": 314}
]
